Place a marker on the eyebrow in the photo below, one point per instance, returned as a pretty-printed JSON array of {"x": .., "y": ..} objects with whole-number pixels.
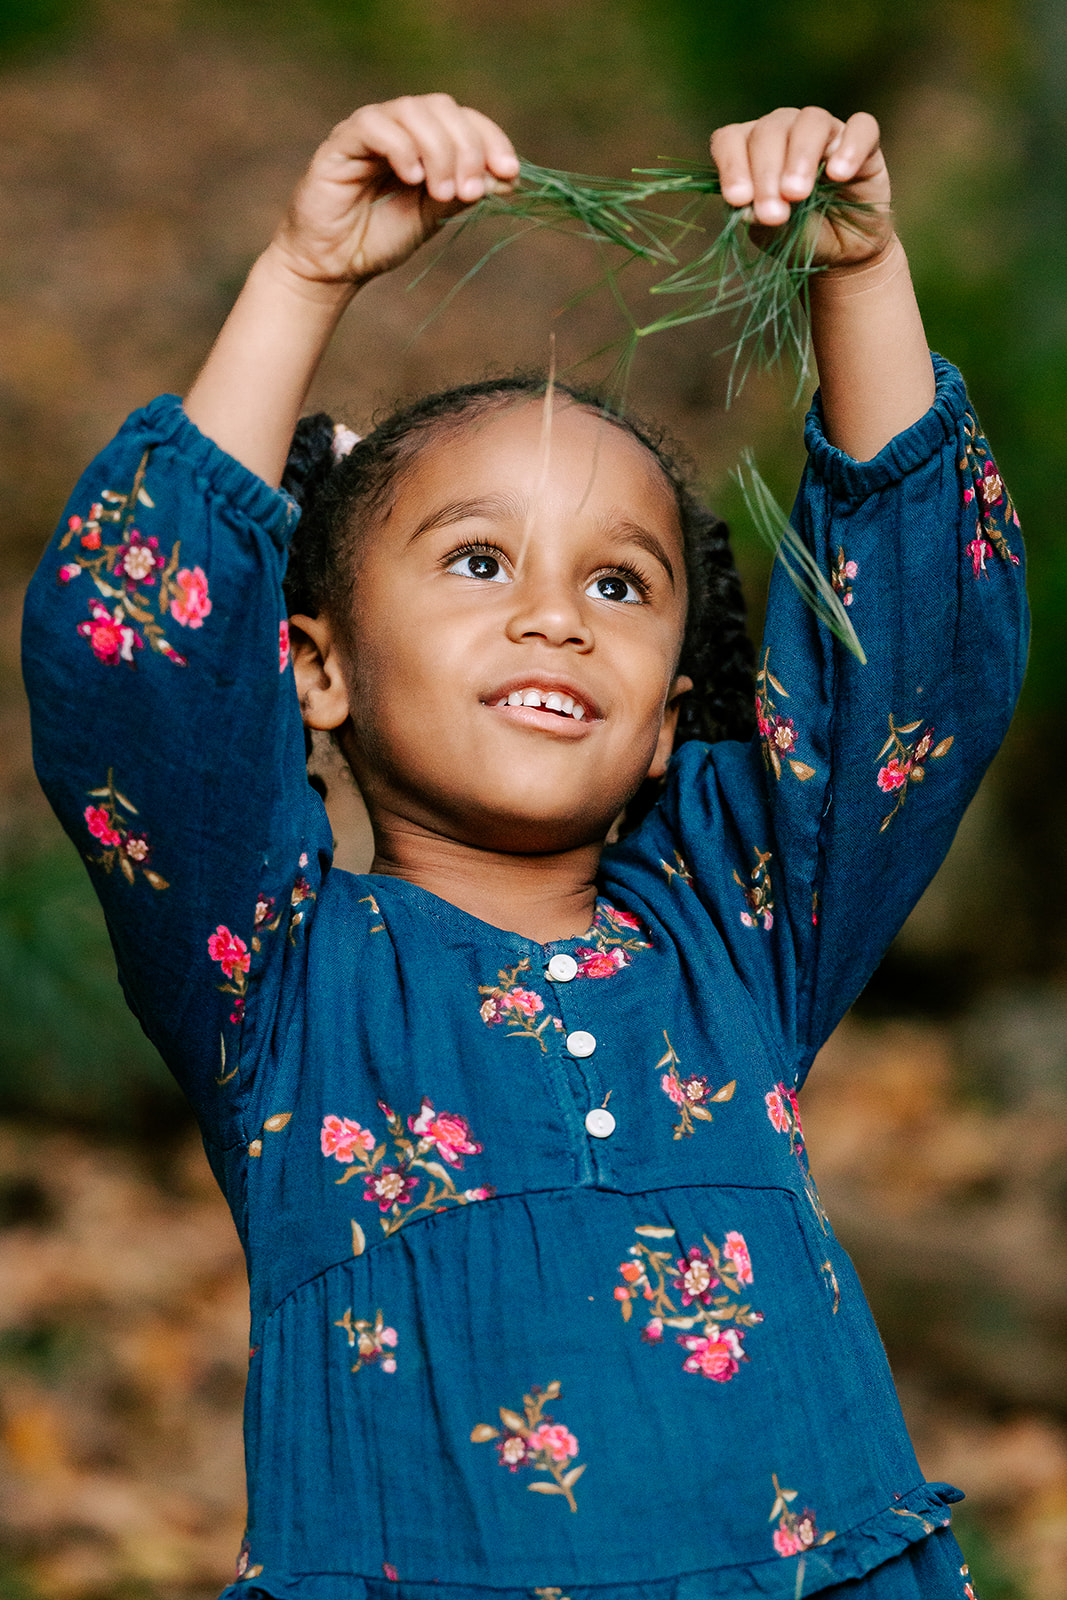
[{"x": 507, "y": 507}]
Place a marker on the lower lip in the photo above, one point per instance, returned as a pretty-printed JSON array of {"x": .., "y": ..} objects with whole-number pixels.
[{"x": 542, "y": 721}]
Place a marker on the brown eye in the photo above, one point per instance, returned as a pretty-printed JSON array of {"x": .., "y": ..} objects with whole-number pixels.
[
  {"x": 613, "y": 586},
  {"x": 479, "y": 564}
]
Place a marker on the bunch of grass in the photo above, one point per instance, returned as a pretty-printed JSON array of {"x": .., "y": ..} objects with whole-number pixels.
[{"x": 665, "y": 215}]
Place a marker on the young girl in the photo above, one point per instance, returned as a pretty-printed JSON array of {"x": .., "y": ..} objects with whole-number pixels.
[{"x": 543, "y": 1299}]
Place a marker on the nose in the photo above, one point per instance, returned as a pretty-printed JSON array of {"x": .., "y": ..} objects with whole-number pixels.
[{"x": 546, "y": 607}]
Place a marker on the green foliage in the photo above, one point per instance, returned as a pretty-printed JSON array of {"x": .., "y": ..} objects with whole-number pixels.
[
  {"x": 989, "y": 1574},
  {"x": 30, "y": 24},
  {"x": 69, "y": 1046}
]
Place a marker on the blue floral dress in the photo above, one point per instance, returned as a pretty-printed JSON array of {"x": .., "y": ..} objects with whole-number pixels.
[{"x": 544, "y": 1302}]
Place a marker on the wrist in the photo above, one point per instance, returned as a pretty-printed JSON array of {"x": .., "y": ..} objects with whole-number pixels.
[
  {"x": 276, "y": 270},
  {"x": 857, "y": 277}
]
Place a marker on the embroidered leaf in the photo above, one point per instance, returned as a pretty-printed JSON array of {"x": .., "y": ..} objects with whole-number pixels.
[
  {"x": 546, "y": 1488},
  {"x": 350, "y": 1172},
  {"x": 256, "y": 1148},
  {"x": 828, "y": 1536},
  {"x": 943, "y": 747},
  {"x": 627, "y": 1308},
  {"x": 701, "y": 1113},
  {"x": 122, "y": 800},
  {"x": 890, "y": 742},
  {"x": 253, "y": 1572},
  {"x": 726, "y": 1092},
  {"x": 438, "y": 1171},
  {"x": 553, "y": 1390},
  {"x": 359, "y": 1239},
  {"x": 146, "y": 500},
  {"x": 155, "y": 880},
  {"x": 278, "y": 1121},
  {"x": 482, "y": 1432},
  {"x": 910, "y": 727},
  {"x": 801, "y": 770},
  {"x": 916, "y": 775},
  {"x": 98, "y": 794},
  {"x": 571, "y": 1478},
  {"x": 648, "y": 1232},
  {"x": 663, "y": 1060},
  {"x": 127, "y": 870},
  {"x": 512, "y": 1420},
  {"x": 773, "y": 681},
  {"x": 885, "y": 822},
  {"x": 379, "y": 1151},
  {"x": 775, "y": 762}
]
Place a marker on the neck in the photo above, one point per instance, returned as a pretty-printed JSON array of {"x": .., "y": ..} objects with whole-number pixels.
[{"x": 541, "y": 897}]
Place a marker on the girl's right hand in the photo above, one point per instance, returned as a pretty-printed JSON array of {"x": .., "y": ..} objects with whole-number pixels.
[{"x": 384, "y": 181}]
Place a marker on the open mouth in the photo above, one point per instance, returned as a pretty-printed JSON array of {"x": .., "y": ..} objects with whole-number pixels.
[{"x": 562, "y": 705}]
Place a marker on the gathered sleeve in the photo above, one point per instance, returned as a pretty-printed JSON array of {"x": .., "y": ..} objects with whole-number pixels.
[
  {"x": 168, "y": 739},
  {"x": 811, "y": 846}
]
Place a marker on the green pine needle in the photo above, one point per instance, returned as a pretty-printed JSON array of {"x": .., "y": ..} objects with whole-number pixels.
[{"x": 776, "y": 531}]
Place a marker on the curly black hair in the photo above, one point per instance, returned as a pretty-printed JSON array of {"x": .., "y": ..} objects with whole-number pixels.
[{"x": 340, "y": 497}]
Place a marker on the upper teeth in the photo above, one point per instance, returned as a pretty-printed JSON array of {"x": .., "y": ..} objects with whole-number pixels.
[{"x": 552, "y": 701}]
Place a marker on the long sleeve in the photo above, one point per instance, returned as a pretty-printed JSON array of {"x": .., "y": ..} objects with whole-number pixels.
[
  {"x": 811, "y": 845},
  {"x": 168, "y": 739}
]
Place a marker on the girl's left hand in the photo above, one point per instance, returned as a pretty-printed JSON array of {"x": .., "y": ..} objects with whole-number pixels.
[{"x": 771, "y": 163}]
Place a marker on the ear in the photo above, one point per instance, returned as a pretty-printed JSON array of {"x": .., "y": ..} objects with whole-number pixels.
[
  {"x": 317, "y": 667},
  {"x": 665, "y": 742}
]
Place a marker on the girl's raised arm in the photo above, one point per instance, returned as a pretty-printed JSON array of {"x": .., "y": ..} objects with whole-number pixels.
[
  {"x": 382, "y": 183},
  {"x": 875, "y": 372}
]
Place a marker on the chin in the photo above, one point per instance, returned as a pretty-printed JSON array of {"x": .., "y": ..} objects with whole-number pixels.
[{"x": 548, "y": 833}]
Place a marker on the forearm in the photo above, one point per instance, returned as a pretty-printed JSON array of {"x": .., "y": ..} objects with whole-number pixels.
[
  {"x": 875, "y": 374},
  {"x": 250, "y": 391}
]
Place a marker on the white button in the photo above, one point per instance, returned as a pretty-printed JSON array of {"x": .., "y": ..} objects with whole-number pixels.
[
  {"x": 562, "y": 968},
  {"x": 600, "y": 1123},
  {"x": 581, "y": 1043}
]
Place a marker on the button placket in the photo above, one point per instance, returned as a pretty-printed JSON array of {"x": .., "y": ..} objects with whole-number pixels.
[{"x": 581, "y": 1046}]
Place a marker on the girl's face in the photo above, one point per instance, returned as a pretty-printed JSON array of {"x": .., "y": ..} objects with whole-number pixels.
[{"x": 510, "y": 666}]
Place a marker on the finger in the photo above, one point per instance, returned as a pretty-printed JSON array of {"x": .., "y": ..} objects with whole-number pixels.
[
  {"x": 423, "y": 117},
  {"x": 767, "y": 144},
  {"x": 372, "y": 132},
  {"x": 860, "y": 139},
  {"x": 812, "y": 135},
  {"x": 729, "y": 152},
  {"x": 500, "y": 157},
  {"x": 466, "y": 129}
]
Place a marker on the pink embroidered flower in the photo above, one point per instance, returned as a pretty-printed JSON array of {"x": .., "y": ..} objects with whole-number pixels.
[
  {"x": 283, "y": 644},
  {"x": 301, "y": 892},
  {"x": 625, "y": 919},
  {"x": 991, "y": 485},
  {"x": 762, "y": 722},
  {"x": 139, "y": 558},
  {"x": 978, "y": 549},
  {"x": 631, "y": 1271},
  {"x": 805, "y": 1531},
  {"x": 523, "y": 1000},
  {"x": 388, "y": 1364},
  {"x": 776, "y": 1110},
  {"x": 137, "y": 848},
  {"x": 229, "y": 951},
  {"x": 391, "y": 1186},
  {"x": 340, "y": 1137},
  {"x": 785, "y": 1542},
  {"x": 672, "y": 1088},
  {"x": 110, "y": 638},
  {"x": 90, "y": 540},
  {"x": 99, "y": 825},
  {"x": 736, "y": 1251},
  {"x": 556, "y": 1440},
  {"x": 695, "y": 1090},
  {"x": 697, "y": 1278},
  {"x": 922, "y": 749},
  {"x": 264, "y": 908},
  {"x": 68, "y": 572},
  {"x": 486, "y": 1192},
  {"x": 449, "y": 1132},
  {"x": 714, "y": 1355},
  {"x": 513, "y": 1451},
  {"x": 237, "y": 1014},
  {"x": 893, "y": 775},
  {"x": 193, "y": 605},
  {"x": 601, "y": 963},
  {"x": 490, "y": 1011},
  {"x": 784, "y": 734},
  {"x": 390, "y": 1572},
  {"x": 621, "y": 1293},
  {"x": 652, "y": 1332}
]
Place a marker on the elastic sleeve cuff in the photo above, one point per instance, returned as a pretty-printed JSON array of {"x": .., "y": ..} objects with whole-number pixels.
[
  {"x": 855, "y": 480},
  {"x": 163, "y": 422}
]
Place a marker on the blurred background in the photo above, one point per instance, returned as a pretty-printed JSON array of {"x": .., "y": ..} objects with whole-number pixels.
[{"x": 145, "y": 151}]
